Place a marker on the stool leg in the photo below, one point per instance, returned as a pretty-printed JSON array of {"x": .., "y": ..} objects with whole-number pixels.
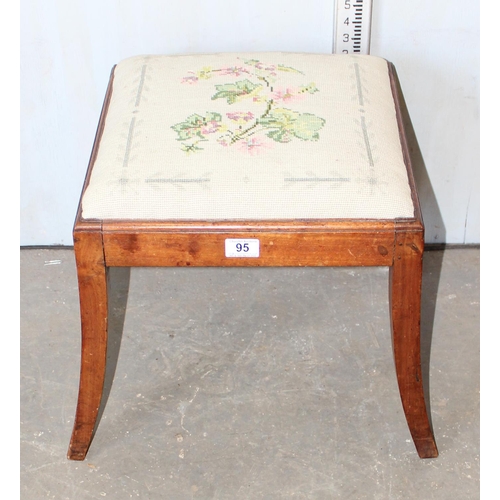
[
  {"x": 92, "y": 283},
  {"x": 405, "y": 295}
]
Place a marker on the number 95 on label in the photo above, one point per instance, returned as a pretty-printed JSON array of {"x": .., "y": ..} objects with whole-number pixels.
[{"x": 236, "y": 247}]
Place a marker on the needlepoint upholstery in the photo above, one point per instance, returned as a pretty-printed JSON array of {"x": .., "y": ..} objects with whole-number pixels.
[{"x": 261, "y": 136}]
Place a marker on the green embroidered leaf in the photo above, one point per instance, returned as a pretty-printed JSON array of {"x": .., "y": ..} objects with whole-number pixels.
[
  {"x": 288, "y": 124},
  {"x": 211, "y": 116},
  {"x": 306, "y": 127},
  {"x": 235, "y": 92},
  {"x": 288, "y": 69},
  {"x": 251, "y": 62},
  {"x": 279, "y": 117},
  {"x": 311, "y": 88},
  {"x": 194, "y": 124},
  {"x": 280, "y": 135},
  {"x": 188, "y": 128}
]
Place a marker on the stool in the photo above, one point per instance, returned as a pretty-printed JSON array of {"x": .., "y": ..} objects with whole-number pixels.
[{"x": 241, "y": 159}]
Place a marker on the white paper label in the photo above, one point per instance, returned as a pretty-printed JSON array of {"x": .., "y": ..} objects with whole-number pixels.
[{"x": 242, "y": 247}]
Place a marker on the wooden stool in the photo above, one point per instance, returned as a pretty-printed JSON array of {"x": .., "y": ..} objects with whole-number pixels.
[{"x": 267, "y": 159}]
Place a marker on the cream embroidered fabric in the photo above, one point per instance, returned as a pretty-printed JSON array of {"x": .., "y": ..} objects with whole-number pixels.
[{"x": 250, "y": 136}]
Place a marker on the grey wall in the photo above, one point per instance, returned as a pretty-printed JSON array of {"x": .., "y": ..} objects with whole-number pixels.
[{"x": 68, "y": 49}]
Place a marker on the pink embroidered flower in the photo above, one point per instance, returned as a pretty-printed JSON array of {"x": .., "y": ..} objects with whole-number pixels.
[
  {"x": 210, "y": 127},
  {"x": 234, "y": 70},
  {"x": 271, "y": 69},
  {"x": 240, "y": 116},
  {"x": 224, "y": 141},
  {"x": 254, "y": 145},
  {"x": 287, "y": 95},
  {"x": 190, "y": 79}
]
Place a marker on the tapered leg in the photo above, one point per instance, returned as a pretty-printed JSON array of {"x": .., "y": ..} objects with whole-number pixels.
[
  {"x": 94, "y": 317},
  {"x": 405, "y": 295}
]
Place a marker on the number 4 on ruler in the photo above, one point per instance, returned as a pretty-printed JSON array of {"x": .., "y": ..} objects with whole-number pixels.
[{"x": 353, "y": 19}]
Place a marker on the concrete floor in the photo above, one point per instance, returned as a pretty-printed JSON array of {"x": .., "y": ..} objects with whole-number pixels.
[{"x": 249, "y": 384}]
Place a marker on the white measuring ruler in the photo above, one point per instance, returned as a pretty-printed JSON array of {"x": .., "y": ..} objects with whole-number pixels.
[{"x": 353, "y": 20}]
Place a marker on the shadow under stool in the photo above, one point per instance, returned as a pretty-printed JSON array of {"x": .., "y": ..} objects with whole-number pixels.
[{"x": 261, "y": 159}]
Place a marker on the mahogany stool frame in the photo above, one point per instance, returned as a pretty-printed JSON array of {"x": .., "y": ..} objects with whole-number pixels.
[{"x": 397, "y": 243}]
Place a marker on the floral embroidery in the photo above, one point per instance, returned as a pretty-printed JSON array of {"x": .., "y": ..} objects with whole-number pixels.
[
  {"x": 254, "y": 145},
  {"x": 250, "y": 131},
  {"x": 240, "y": 117}
]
